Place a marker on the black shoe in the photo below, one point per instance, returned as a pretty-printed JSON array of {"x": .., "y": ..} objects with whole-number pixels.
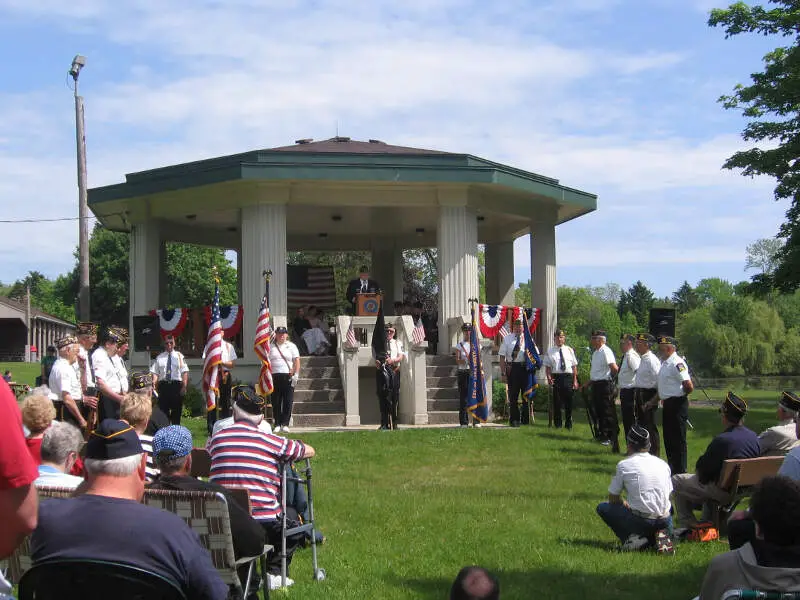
[{"x": 514, "y": 423}]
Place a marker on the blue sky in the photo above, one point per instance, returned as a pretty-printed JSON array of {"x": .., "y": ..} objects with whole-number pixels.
[{"x": 616, "y": 97}]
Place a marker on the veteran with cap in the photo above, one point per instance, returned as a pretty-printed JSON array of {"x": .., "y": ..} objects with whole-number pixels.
[
  {"x": 65, "y": 384},
  {"x": 780, "y": 438},
  {"x": 514, "y": 373},
  {"x": 461, "y": 352},
  {"x": 142, "y": 384},
  {"x": 642, "y": 519},
  {"x": 561, "y": 367},
  {"x": 108, "y": 522},
  {"x": 674, "y": 386},
  {"x": 645, "y": 385},
  {"x": 736, "y": 441},
  {"x": 284, "y": 363},
  {"x": 603, "y": 369},
  {"x": 387, "y": 379},
  {"x": 626, "y": 380},
  {"x": 107, "y": 374},
  {"x": 87, "y": 339}
]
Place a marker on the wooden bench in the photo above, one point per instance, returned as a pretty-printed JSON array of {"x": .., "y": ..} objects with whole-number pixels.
[{"x": 738, "y": 478}]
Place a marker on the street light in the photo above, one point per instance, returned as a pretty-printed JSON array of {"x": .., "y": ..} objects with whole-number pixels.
[{"x": 83, "y": 210}]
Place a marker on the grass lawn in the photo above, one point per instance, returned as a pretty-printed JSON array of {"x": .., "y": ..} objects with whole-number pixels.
[
  {"x": 22, "y": 372},
  {"x": 404, "y": 511}
]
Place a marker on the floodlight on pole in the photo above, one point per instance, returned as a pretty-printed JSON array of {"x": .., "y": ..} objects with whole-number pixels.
[{"x": 83, "y": 209}]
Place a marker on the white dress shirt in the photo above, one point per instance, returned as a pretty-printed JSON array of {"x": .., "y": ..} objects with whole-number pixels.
[
  {"x": 178, "y": 366},
  {"x": 647, "y": 482},
  {"x": 83, "y": 355},
  {"x": 276, "y": 361},
  {"x": 63, "y": 378},
  {"x": 647, "y": 373},
  {"x": 105, "y": 369},
  {"x": 507, "y": 347},
  {"x": 627, "y": 371},
  {"x": 462, "y": 352},
  {"x": 601, "y": 359},
  {"x": 553, "y": 359},
  {"x": 671, "y": 377}
]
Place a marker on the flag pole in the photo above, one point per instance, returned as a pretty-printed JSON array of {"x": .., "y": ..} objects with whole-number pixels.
[{"x": 267, "y": 274}]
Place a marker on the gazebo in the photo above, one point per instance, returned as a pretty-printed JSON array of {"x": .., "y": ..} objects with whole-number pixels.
[{"x": 338, "y": 195}]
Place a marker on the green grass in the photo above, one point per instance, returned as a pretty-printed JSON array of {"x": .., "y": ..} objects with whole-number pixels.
[
  {"x": 22, "y": 372},
  {"x": 404, "y": 511}
]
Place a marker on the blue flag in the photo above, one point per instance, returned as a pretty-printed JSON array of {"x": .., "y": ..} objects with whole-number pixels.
[
  {"x": 476, "y": 392},
  {"x": 532, "y": 359}
]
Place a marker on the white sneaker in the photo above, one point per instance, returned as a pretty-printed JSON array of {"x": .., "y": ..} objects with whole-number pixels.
[
  {"x": 635, "y": 543},
  {"x": 477, "y": 424},
  {"x": 276, "y": 583},
  {"x": 277, "y": 429},
  {"x": 285, "y": 429}
]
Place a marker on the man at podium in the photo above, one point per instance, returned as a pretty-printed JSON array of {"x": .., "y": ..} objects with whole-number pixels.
[{"x": 362, "y": 285}]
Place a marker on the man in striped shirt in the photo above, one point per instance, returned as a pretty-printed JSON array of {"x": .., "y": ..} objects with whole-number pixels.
[{"x": 243, "y": 456}]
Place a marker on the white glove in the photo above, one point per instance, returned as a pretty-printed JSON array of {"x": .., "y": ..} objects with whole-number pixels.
[{"x": 295, "y": 377}]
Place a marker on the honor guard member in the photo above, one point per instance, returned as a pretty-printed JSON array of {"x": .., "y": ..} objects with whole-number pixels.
[
  {"x": 65, "y": 384},
  {"x": 388, "y": 380},
  {"x": 461, "y": 352},
  {"x": 362, "y": 285},
  {"x": 119, "y": 359},
  {"x": 625, "y": 380},
  {"x": 107, "y": 376},
  {"x": 645, "y": 386},
  {"x": 736, "y": 441},
  {"x": 170, "y": 378},
  {"x": 674, "y": 386},
  {"x": 514, "y": 373},
  {"x": 223, "y": 407},
  {"x": 779, "y": 439},
  {"x": 603, "y": 368},
  {"x": 142, "y": 383},
  {"x": 561, "y": 366},
  {"x": 284, "y": 360},
  {"x": 87, "y": 339}
]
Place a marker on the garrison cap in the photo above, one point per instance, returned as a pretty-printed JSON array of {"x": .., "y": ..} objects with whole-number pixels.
[
  {"x": 87, "y": 329},
  {"x": 790, "y": 401},
  {"x": 113, "y": 439},
  {"x": 599, "y": 333},
  {"x": 141, "y": 380},
  {"x": 645, "y": 337},
  {"x": 559, "y": 332},
  {"x": 638, "y": 436},
  {"x": 118, "y": 335},
  {"x": 281, "y": 329},
  {"x": 246, "y": 398},
  {"x": 466, "y": 327},
  {"x": 734, "y": 406},
  {"x": 66, "y": 341},
  {"x": 665, "y": 339},
  {"x": 627, "y": 337}
]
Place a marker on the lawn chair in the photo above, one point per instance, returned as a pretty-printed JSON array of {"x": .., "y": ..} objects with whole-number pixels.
[
  {"x": 304, "y": 528},
  {"x": 201, "y": 463},
  {"x": 207, "y": 515},
  {"x": 754, "y": 595},
  {"x": 738, "y": 478},
  {"x": 94, "y": 580}
]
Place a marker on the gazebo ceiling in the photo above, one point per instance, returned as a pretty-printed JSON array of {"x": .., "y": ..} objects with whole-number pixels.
[{"x": 339, "y": 188}]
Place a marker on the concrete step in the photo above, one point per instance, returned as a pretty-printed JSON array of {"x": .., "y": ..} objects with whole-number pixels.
[
  {"x": 332, "y": 383},
  {"x": 440, "y": 417},
  {"x": 441, "y": 382},
  {"x": 437, "y": 393},
  {"x": 318, "y": 361},
  {"x": 441, "y": 370},
  {"x": 437, "y": 359},
  {"x": 321, "y": 408},
  {"x": 318, "y": 420},
  {"x": 443, "y": 404},
  {"x": 301, "y": 396},
  {"x": 319, "y": 372}
]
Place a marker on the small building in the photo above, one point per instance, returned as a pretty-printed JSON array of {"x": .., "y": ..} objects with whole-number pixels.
[{"x": 44, "y": 330}]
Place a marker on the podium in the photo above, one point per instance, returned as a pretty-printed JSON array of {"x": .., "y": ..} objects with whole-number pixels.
[{"x": 367, "y": 305}]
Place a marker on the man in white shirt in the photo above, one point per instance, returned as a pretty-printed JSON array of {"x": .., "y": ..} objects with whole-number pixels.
[
  {"x": 674, "y": 386},
  {"x": 389, "y": 396},
  {"x": 119, "y": 360},
  {"x": 223, "y": 408},
  {"x": 107, "y": 376},
  {"x": 604, "y": 367},
  {"x": 65, "y": 384},
  {"x": 646, "y": 389},
  {"x": 170, "y": 379},
  {"x": 87, "y": 338},
  {"x": 61, "y": 444},
  {"x": 561, "y": 366},
  {"x": 513, "y": 372},
  {"x": 641, "y": 520},
  {"x": 781, "y": 438},
  {"x": 461, "y": 352},
  {"x": 625, "y": 380},
  {"x": 284, "y": 360}
]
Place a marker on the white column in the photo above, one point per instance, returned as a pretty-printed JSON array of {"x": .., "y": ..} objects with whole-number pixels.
[
  {"x": 457, "y": 241},
  {"x": 145, "y": 266},
  {"x": 398, "y": 272},
  {"x": 263, "y": 228},
  {"x": 500, "y": 273},
  {"x": 543, "y": 278}
]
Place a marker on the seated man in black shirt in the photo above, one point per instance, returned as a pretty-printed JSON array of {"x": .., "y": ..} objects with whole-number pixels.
[
  {"x": 108, "y": 523},
  {"x": 736, "y": 441}
]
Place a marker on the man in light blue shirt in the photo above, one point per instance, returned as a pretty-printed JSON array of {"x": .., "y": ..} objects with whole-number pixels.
[{"x": 60, "y": 447}]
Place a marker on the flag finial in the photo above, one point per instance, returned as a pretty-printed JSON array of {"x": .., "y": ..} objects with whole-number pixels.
[{"x": 267, "y": 274}]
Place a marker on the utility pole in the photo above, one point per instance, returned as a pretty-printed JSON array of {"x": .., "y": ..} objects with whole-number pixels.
[
  {"x": 28, "y": 332},
  {"x": 83, "y": 209}
]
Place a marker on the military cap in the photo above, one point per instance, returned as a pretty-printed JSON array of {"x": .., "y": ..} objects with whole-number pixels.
[
  {"x": 559, "y": 333},
  {"x": 466, "y": 327},
  {"x": 116, "y": 335},
  {"x": 665, "y": 339},
  {"x": 627, "y": 337},
  {"x": 638, "y": 436},
  {"x": 247, "y": 399},
  {"x": 87, "y": 329},
  {"x": 141, "y": 380},
  {"x": 645, "y": 337},
  {"x": 66, "y": 341},
  {"x": 734, "y": 406},
  {"x": 281, "y": 329},
  {"x": 113, "y": 439},
  {"x": 790, "y": 401},
  {"x": 174, "y": 441},
  {"x": 599, "y": 333}
]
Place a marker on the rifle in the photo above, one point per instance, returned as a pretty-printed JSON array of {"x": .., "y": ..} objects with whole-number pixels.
[{"x": 550, "y": 406}]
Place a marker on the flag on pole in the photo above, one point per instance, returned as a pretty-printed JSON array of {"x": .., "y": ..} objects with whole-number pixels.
[
  {"x": 532, "y": 359},
  {"x": 213, "y": 352},
  {"x": 418, "y": 335},
  {"x": 350, "y": 339},
  {"x": 261, "y": 346},
  {"x": 504, "y": 331},
  {"x": 476, "y": 392}
]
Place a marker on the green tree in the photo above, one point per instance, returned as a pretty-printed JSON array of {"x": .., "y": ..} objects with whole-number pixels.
[
  {"x": 770, "y": 104},
  {"x": 686, "y": 298},
  {"x": 522, "y": 294},
  {"x": 189, "y": 280},
  {"x": 788, "y": 307},
  {"x": 638, "y": 300},
  {"x": 44, "y": 295},
  {"x": 713, "y": 289}
]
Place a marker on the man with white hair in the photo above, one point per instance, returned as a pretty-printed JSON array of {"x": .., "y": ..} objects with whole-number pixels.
[
  {"x": 107, "y": 522},
  {"x": 65, "y": 383},
  {"x": 603, "y": 368},
  {"x": 60, "y": 447},
  {"x": 779, "y": 439}
]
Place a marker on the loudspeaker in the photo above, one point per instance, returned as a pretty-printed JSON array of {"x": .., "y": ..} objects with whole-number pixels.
[
  {"x": 662, "y": 321},
  {"x": 146, "y": 333}
]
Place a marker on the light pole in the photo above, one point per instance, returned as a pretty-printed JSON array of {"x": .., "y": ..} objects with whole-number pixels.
[{"x": 83, "y": 209}]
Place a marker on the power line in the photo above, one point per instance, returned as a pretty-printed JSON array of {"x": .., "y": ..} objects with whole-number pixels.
[{"x": 58, "y": 219}]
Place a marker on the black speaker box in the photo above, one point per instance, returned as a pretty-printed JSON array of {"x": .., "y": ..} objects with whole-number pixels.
[
  {"x": 662, "y": 321},
  {"x": 146, "y": 333}
]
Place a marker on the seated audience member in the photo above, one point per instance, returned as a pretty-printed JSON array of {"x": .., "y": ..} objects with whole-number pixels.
[
  {"x": 641, "y": 520},
  {"x": 38, "y": 412},
  {"x": 107, "y": 522},
  {"x": 142, "y": 383},
  {"x": 779, "y": 439},
  {"x": 736, "y": 441},
  {"x": 242, "y": 443},
  {"x": 172, "y": 450},
  {"x": 771, "y": 562},
  {"x": 316, "y": 342},
  {"x": 7, "y": 377},
  {"x": 300, "y": 323},
  {"x": 61, "y": 446},
  {"x": 135, "y": 410},
  {"x": 475, "y": 583}
]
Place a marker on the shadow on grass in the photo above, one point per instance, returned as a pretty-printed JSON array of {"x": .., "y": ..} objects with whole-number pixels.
[
  {"x": 556, "y": 584},
  {"x": 609, "y": 546}
]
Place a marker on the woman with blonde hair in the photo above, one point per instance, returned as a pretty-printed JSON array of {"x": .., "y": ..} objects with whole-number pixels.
[{"x": 38, "y": 411}]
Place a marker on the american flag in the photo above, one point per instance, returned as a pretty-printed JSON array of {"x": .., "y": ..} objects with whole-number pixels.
[
  {"x": 504, "y": 331},
  {"x": 213, "y": 353},
  {"x": 264, "y": 385},
  {"x": 418, "y": 335},
  {"x": 351, "y": 336},
  {"x": 310, "y": 285}
]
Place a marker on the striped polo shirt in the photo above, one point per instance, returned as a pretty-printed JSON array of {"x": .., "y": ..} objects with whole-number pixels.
[
  {"x": 150, "y": 470},
  {"x": 242, "y": 456}
]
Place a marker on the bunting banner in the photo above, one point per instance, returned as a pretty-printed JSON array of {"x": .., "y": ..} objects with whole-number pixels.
[
  {"x": 491, "y": 318},
  {"x": 230, "y": 316},
  {"x": 171, "y": 320},
  {"x": 533, "y": 316}
]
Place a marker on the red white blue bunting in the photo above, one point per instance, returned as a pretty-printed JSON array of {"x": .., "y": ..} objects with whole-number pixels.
[
  {"x": 171, "y": 320},
  {"x": 491, "y": 318},
  {"x": 231, "y": 317}
]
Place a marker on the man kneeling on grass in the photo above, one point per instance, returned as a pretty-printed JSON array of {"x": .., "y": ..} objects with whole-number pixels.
[{"x": 643, "y": 519}]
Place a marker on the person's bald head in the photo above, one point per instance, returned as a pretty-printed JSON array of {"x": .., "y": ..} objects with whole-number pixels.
[{"x": 475, "y": 583}]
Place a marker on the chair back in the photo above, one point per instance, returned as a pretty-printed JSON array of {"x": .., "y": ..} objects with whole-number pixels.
[
  {"x": 242, "y": 496},
  {"x": 206, "y": 513},
  {"x": 759, "y": 595},
  {"x": 201, "y": 463},
  {"x": 95, "y": 580},
  {"x": 746, "y": 472}
]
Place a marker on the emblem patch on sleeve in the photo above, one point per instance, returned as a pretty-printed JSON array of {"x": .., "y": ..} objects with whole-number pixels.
[{"x": 681, "y": 367}]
